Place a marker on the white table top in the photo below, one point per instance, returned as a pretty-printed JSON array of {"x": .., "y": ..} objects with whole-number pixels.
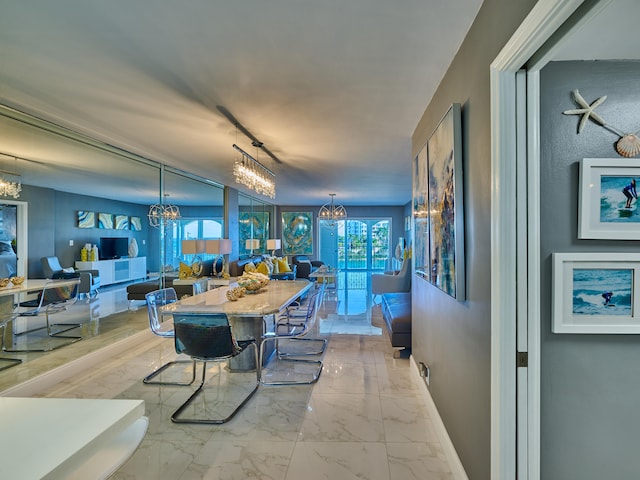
[
  {"x": 49, "y": 437},
  {"x": 271, "y": 299},
  {"x": 35, "y": 284}
]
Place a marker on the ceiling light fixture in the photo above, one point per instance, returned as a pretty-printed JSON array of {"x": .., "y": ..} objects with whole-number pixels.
[
  {"x": 10, "y": 185},
  {"x": 331, "y": 212},
  {"x": 163, "y": 214},
  {"x": 250, "y": 172}
]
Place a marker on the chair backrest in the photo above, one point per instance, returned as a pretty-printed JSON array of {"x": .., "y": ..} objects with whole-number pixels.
[
  {"x": 204, "y": 336},
  {"x": 50, "y": 265},
  {"x": 405, "y": 274},
  {"x": 155, "y": 301},
  {"x": 57, "y": 298}
]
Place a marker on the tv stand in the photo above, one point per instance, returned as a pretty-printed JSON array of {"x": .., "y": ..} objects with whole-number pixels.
[{"x": 117, "y": 270}]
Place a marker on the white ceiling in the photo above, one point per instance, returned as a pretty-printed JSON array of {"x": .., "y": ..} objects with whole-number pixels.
[{"x": 333, "y": 88}]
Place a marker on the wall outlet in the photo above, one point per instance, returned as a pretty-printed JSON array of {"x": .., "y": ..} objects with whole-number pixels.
[
  {"x": 425, "y": 372},
  {"x": 144, "y": 242},
  {"x": 71, "y": 243}
]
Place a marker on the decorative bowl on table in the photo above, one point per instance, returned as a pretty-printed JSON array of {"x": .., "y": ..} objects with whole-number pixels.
[
  {"x": 17, "y": 280},
  {"x": 252, "y": 282},
  {"x": 4, "y": 282}
]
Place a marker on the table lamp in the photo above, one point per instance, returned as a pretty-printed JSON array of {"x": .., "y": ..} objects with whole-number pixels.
[
  {"x": 219, "y": 247},
  {"x": 273, "y": 244},
  {"x": 252, "y": 244}
]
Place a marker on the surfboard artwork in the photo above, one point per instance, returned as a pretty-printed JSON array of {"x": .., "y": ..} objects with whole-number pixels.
[
  {"x": 602, "y": 291},
  {"x": 618, "y": 200}
]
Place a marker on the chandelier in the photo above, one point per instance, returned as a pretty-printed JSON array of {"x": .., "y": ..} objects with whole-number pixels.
[
  {"x": 250, "y": 172},
  {"x": 163, "y": 214},
  {"x": 10, "y": 185},
  {"x": 331, "y": 212}
]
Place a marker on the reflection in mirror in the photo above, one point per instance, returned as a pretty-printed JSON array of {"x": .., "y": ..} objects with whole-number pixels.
[
  {"x": 201, "y": 205},
  {"x": 256, "y": 221},
  {"x": 77, "y": 191}
]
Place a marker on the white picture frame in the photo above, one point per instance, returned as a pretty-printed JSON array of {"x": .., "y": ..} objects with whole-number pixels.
[
  {"x": 581, "y": 283},
  {"x": 603, "y": 210}
]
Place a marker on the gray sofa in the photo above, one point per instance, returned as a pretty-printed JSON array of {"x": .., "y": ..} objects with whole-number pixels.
[
  {"x": 305, "y": 265},
  {"x": 236, "y": 268},
  {"x": 396, "y": 311}
]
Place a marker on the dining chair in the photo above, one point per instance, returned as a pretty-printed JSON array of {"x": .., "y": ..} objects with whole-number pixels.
[
  {"x": 6, "y": 315},
  {"x": 209, "y": 338},
  {"x": 161, "y": 324},
  {"x": 286, "y": 367},
  {"x": 53, "y": 298}
]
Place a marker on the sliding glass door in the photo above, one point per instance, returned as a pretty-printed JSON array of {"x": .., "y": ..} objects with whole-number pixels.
[{"x": 356, "y": 244}]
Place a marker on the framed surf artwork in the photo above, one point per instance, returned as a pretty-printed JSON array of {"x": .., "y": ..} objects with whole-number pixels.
[
  {"x": 608, "y": 199},
  {"x": 596, "y": 293}
]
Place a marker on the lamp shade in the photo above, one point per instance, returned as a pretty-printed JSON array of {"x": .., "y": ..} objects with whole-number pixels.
[
  {"x": 252, "y": 244},
  {"x": 190, "y": 247},
  {"x": 220, "y": 246},
  {"x": 273, "y": 244}
]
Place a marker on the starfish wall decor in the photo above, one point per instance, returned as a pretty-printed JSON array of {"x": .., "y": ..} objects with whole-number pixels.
[{"x": 628, "y": 145}]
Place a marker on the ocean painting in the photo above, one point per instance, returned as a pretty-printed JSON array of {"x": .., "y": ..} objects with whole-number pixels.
[
  {"x": 616, "y": 206},
  {"x": 602, "y": 291}
]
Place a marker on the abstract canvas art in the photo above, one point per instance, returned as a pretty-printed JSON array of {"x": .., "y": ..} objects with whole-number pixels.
[
  {"x": 445, "y": 210},
  {"x": 86, "y": 219},
  {"x": 253, "y": 225},
  {"x": 105, "y": 220},
  {"x": 297, "y": 233},
  {"x": 122, "y": 222}
]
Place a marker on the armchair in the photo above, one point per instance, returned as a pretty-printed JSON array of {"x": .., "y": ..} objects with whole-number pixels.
[
  {"x": 89, "y": 279},
  {"x": 304, "y": 266},
  {"x": 392, "y": 283}
]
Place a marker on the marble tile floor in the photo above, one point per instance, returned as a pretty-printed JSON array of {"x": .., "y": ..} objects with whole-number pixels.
[{"x": 364, "y": 419}]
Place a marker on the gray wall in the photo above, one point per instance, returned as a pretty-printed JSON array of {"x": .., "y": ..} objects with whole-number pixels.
[
  {"x": 52, "y": 218},
  {"x": 589, "y": 388},
  {"x": 452, "y": 337}
]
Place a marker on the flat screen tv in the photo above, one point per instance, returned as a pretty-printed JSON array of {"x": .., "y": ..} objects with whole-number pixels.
[{"x": 113, "y": 247}]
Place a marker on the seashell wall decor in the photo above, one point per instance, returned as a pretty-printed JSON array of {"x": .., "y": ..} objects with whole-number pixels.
[{"x": 627, "y": 146}]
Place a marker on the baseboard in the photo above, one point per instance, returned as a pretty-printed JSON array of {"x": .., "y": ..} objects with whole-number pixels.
[
  {"x": 34, "y": 386},
  {"x": 457, "y": 470}
]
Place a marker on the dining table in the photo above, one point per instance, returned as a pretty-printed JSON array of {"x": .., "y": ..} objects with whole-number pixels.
[{"x": 250, "y": 316}]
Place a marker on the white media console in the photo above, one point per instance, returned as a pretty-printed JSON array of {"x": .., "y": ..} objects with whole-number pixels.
[{"x": 115, "y": 271}]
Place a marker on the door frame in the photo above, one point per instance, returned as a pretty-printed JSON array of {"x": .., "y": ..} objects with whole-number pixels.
[
  {"x": 22, "y": 234},
  {"x": 545, "y": 19}
]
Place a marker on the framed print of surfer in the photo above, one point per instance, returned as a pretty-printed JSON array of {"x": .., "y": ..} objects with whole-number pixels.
[
  {"x": 596, "y": 293},
  {"x": 609, "y": 199}
]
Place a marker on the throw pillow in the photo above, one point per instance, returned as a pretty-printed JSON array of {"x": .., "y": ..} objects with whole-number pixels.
[
  {"x": 185, "y": 271},
  {"x": 283, "y": 266},
  {"x": 276, "y": 266},
  {"x": 250, "y": 267},
  {"x": 263, "y": 268}
]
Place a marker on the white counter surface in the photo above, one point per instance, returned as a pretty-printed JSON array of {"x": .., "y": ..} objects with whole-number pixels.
[{"x": 55, "y": 438}]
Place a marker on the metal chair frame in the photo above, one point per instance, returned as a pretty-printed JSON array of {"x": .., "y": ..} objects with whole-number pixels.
[
  {"x": 209, "y": 338},
  {"x": 295, "y": 330},
  {"x": 9, "y": 362},
  {"x": 57, "y": 301},
  {"x": 156, "y": 300}
]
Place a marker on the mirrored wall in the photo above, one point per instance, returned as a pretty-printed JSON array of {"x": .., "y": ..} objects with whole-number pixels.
[{"x": 256, "y": 221}]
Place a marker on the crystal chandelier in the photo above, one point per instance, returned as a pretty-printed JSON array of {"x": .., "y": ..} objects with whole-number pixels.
[
  {"x": 9, "y": 188},
  {"x": 10, "y": 185},
  {"x": 331, "y": 212},
  {"x": 163, "y": 214},
  {"x": 251, "y": 173}
]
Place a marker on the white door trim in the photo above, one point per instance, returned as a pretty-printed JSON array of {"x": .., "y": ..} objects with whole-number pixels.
[{"x": 543, "y": 20}]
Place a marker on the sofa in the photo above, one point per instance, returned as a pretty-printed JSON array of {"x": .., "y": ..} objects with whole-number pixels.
[
  {"x": 304, "y": 265},
  {"x": 391, "y": 282},
  {"x": 236, "y": 268},
  {"x": 137, "y": 291},
  {"x": 396, "y": 311}
]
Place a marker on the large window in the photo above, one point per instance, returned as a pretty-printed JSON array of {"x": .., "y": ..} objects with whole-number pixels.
[{"x": 356, "y": 244}]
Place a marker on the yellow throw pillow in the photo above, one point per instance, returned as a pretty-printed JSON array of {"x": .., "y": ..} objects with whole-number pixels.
[
  {"x": 262, "y": 268},
  {"x": 283, "y": 266},
  {"x": 250, "y": 267},
  {"x": 185, "y": 270}
]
